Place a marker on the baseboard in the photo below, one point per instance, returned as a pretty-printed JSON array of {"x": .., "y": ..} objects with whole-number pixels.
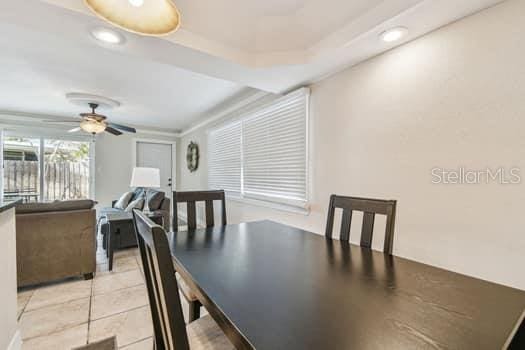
[{"x": 16, "y": 341}]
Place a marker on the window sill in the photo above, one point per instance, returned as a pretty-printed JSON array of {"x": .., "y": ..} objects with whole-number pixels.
[{"x": 272, "y": 205}]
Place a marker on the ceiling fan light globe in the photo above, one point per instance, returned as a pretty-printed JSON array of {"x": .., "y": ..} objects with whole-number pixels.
[
  {"x": 92, "y": 126},
  {"x": 136, "y": 3}
]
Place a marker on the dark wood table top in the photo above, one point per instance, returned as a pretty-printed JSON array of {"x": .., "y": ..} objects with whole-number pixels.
[{"x": 270, "y": 286}]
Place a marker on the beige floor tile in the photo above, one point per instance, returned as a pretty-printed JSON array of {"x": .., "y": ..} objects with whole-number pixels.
[
  {"x": 54, "y": 318},
  {"x": 121, "y": 264},
  {"x": 141, "y": 267},
  {"x": 106, "y": 283},
  {"x": 118, "y": 301},
  {"x": 125, "y": 263},
  {"x": 63, "y": 340},
  {"x": 125, "y": 253},
  {"x": 22, "y": 300},
  {"x": 146, "y": 344},
  {"x": 129, "y": 327},
  {"x": 59, "y": 293}
]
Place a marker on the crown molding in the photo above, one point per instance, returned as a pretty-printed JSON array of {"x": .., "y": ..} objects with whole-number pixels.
[
  {"x": 157, "y": 132},
  {"x": 224, "y": 112}
]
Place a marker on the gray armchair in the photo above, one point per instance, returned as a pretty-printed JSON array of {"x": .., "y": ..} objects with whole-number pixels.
[
  {"x": 158, "y": 203},
  {"x": 164, "y": 209}
]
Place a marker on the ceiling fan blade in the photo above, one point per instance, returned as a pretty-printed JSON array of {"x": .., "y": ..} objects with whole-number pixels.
[
  {"x": 122, "y": 127},
  {"x": 74, "y": 130},
  {"x": 62, "y": 121},
  {"x": 112, "y": 131}
]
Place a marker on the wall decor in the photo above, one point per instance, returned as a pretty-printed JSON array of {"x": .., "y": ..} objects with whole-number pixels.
[{"x": 192, "y": 157}]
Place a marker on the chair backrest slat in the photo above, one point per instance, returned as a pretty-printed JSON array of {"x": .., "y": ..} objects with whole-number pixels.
[
  {"x": 367, "y": 229},
  {"x": 210, "y": 217},
  {"x": 191, "y": 198},
  {"x": 163, "y": 293},
  {"x": 191, "y": 215},
  {"x": 346, "y": 224},
  {"x": 370, "y": 208}
]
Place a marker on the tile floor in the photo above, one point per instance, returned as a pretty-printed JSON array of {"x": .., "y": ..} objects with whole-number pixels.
[{"x": 71, "y": 313}]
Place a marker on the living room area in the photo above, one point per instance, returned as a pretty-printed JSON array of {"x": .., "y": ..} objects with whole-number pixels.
[{"x": 76, "y": 257}]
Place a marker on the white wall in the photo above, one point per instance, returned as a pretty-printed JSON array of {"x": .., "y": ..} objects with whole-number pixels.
[
  {"x": 455, "y": 97},
  {"x": 114, "y": 164},
  {"x": 9, "y": 334}
]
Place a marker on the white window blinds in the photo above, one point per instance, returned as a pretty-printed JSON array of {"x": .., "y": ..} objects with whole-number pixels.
[
  {"x": 274, "y": 151},
  {"x": 224, "y": 158},
  {"x": 263, "y": 155}
]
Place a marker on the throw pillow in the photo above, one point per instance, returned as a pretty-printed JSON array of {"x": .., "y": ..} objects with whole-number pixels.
[
  {"x": 137, "y": 193},
  {"x": 136, "y": 204},
  {"x": 154, "y": 199},
  {"x": 123, "y": 201}
]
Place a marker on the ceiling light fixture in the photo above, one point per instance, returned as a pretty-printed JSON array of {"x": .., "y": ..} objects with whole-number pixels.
[
  {"x": 154, "y": 17},
  {"x": 93, "y": 126},
  {"x": 393, "y": 34},
  {"x": 107, "y": 36},
  {"x": 136, "y": 3}
]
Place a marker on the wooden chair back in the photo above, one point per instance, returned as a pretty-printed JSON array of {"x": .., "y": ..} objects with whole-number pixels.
[
  {"x": 369, "y": 207},
  {"x": 163, "y": 293},
  {"x": 191, "y": 198}
]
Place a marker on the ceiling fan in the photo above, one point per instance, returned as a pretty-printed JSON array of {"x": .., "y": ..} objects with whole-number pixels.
[{"x": 95, "y": 123}]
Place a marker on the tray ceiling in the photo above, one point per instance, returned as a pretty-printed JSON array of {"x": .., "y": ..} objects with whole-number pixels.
[{"x": 223, "y": 47}]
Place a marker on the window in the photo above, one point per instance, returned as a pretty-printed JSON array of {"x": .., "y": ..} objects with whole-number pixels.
[
  {"x": 224, "y": 154},
  {"x": 63, "y": 172},
  {"x": 263, "y": 155},
  {"x": 66, "y": 170},
  {"x": 21, "y": 167}
]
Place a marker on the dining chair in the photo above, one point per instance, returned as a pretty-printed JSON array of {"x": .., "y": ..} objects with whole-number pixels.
[
  {"x": 170, "y": 330},
  {"x": 191, "y": 198},
  {"x": 370, "y": 207}
]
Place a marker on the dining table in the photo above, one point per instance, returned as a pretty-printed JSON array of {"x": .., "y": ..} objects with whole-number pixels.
[{"x": 273, "y": 286}]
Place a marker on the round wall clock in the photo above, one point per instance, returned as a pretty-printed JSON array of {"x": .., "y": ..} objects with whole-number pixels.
[{"x": 192, "y": 157}]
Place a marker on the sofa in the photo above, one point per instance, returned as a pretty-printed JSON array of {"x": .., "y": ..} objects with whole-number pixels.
[
  {"x": 157, "y": 203},
  {"x": 55, "y": 240}
]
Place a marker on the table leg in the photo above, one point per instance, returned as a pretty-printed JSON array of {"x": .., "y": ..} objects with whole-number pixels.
[
  {"x": 110, "y": 246},
  {"x": 106, "y": 238}
]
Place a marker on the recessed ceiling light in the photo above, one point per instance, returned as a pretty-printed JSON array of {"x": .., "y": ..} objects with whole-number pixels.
[
  {"x": 393, "y": 34},
  {"x": 136, "y": 3},
  {"x": 107, "y": 36}
]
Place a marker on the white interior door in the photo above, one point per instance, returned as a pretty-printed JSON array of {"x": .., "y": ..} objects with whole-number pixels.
[{"x": 157, "y": 155}]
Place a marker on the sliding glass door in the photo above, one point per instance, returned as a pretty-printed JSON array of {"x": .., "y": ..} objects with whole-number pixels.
[
  {"x": 46, "y": 169},
  {"x": 21, "y": 168}
]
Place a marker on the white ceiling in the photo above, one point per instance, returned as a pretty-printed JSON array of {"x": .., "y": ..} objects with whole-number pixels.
[
  {"x": 37, "y": 69},
  {"x": 270, "y": 25},
  {"x": 272, "y": 45}
]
